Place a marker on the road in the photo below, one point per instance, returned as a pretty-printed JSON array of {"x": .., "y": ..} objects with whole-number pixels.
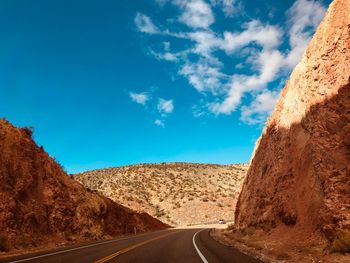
[{"x": 167, "y": 246}]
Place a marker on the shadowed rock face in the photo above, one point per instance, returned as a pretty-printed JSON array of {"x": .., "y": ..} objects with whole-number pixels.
[
  {"x": 298, "y": 182},
  {"x": 40, "y": 205}
]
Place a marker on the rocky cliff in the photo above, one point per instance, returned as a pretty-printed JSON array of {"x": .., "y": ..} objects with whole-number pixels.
[
  {"x": 298, "y": 182},
  {"x": 40, "y": 205}
]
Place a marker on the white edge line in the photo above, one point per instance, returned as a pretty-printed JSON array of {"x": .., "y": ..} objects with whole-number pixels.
[
  {"x": 197, "y": 249},
  {"x": 73, "y": 249}
]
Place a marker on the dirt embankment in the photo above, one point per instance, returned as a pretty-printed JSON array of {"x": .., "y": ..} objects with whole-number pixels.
[{"x": 41, "y": 206}]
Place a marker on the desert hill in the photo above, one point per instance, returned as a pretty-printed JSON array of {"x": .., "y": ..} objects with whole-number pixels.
[
  {"x": 176, "y": 193},
  {"x": 298, "y": 184},
  {"x": 41, "y": 206}
]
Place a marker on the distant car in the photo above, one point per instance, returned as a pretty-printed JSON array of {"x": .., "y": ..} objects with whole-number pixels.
[{"x": 222, "y": 221}]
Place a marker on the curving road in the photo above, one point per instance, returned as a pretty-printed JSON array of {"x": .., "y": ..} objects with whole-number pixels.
[{"x": 172, "y": 246}]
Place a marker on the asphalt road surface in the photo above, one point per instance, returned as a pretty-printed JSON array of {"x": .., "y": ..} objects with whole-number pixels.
[{"x": 167, "y": 246}]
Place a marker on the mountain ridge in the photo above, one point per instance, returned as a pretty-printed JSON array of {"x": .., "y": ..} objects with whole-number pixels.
[{"x": 178, "y": 193}]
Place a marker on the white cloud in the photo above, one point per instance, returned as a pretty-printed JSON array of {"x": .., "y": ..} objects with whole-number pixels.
[
  {"x": 203, "y": 76},
  {"x": 196, "y": 13},
  {"x": 267, "y": 36},
  {"x": 159, "y": 122},
  {"x": 165, "y": 106},
  {"x": 140, "y": 98},
  {"x": 166, "y": 45},
  {"x": 199, "y": 110},
  {"x": 206, "y": 42},
  {"x": 267, "y": 62},
  {"x": 144, "y": 24},
  {"x": 260, "y": 108},
  {"x": 256, "y": 46},
  {"x": 228, "y": 6},
  {"x": 206, "y": 75},
  {"x": 303, "y": 18},
  {"x": 269, "y": 65},
  {"x": 168, "y": 56}
]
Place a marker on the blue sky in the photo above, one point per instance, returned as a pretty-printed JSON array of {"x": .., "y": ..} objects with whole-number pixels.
[{"x": 109, "y": 83}]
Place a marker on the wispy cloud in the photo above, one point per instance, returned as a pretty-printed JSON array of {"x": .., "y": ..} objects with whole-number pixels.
[
  {"x": 203, "y": 75},
  {"x": 229, "y": 7},
  {"x": 165, "y": 106},
  {"x": 254, "y": 31},
  {"x": 268, "y": 64},
  {"x": 155, "y": 106},
  {"x": 260, "y": 108},
  {"x": 144, "y": 24},
  {"x": 257, "y": 45},
  {"x": 159, "y": 122},
  {"x": 140, "y": 98},
  {"x": 196, "y": 13},
  {"x": 303, "y": 18}
]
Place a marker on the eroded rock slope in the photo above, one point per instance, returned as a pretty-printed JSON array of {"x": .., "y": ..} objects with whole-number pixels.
[
  {"x": 40, "y": 205},
  {"x": 298, "y": 182}
]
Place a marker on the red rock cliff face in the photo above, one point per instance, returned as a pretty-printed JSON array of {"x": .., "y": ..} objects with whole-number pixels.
[
  {"x": 298, "y": 183},
  {"x": 40, "y": 205}
]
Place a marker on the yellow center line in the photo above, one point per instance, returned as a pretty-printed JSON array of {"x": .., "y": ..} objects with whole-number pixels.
[{"x": 105, "y": 259}]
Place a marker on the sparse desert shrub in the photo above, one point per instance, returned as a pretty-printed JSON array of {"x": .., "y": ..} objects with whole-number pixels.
[
  {"x": 177, "y": 205},
  {"x": 28, "y": 130},
  {"x": 59, "y": 164},
  {"x": 4, "y": 244},
  {"x": 341, "y": 244},
  {"x": 129, "y": 198},
  {"x": 159, "y": 212}
]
